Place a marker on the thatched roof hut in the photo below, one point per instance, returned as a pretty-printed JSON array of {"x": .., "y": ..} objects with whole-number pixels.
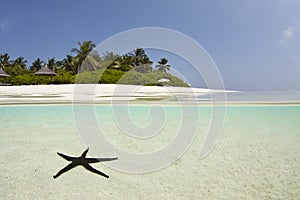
[
  {"x": 46, "y": 71},
  {"x": 3, "y": 73}
]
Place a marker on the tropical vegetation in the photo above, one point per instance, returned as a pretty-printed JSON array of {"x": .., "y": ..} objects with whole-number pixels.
[{"x": 85, "y": 65}]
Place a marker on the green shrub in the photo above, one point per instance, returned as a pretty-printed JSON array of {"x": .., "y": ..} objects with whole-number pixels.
[
  {"x": 63, "y": 78},
  {"x": 25, "y": 79},
  {"x": 150, "y": 79},
  {"x": 103, "y": 76},
  {"x": 88, "y": 77},
  {"x": 111, "y": 76}
]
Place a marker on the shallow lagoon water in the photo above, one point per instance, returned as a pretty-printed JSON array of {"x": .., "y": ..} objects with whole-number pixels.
[{"x": 257, "y": 155}]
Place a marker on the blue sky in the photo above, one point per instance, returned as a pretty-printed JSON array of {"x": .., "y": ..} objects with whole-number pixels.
[{"x": 255, "y": 44}]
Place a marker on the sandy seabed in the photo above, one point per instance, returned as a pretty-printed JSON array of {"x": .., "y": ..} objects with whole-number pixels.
[{"x": 261, "y": 166}]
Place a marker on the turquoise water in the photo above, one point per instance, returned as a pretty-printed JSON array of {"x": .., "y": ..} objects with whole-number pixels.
[{"x": 256, "y": 156}]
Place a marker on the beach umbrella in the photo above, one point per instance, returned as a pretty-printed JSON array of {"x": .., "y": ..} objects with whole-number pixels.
[
  {"x": 46, "y": 71},
  {"x": 3, "y": 73},
  {"x": 163, "y": 81}
]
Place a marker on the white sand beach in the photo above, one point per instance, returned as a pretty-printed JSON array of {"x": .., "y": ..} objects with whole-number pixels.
[{"x": 100, "y": 93}]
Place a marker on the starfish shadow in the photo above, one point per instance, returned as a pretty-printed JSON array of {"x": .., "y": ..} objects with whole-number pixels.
[{"x": 83, "y": 161}]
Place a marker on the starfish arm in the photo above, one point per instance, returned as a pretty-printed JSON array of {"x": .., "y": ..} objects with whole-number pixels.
[
  {"x": 88, "y": 167},
  {"x": 65, "y": 169},
  {"x": 95, "y": 160},
  {"x": 68, "y": 158},
  {"x": 84, "y": 153}
]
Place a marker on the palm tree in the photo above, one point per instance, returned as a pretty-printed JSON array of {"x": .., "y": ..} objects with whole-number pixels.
[
  {"x": 4, "y": 61},
  {"x": 140, "y": 57},
  {"x": 145, "y": 65},
  {"x": 163, "y": 66},
  {"x": 52, "y": 63},
  {"x": 89, "y": 64},
  {"x": 36, "y": 65},
  {"x": 144, "y": 68},
  {"x": 85, "y": 47},
  {"x": 69, "y": 63},
  {"x": 110, "y": 56},
  {"x": 13, "y": 67},
  {"x": 141, "y": 61},
  {"x": 17, "y": 66},
  {"x": 124, "y": 63},
  {"x": 20, "y": 62},
  {"x": 96, "y": 56}
]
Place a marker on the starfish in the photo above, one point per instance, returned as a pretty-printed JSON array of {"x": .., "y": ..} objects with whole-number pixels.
[{"x": 83, "y": 161}]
